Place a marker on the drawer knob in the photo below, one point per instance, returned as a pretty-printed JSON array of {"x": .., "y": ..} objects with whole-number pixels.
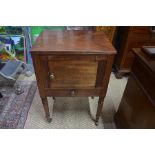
[
  {"x": 72, "y": 92},
  {"x": 52, "y": 76}
]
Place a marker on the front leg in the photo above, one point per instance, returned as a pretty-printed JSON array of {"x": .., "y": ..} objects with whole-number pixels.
[
  {"x": 46, "y": 109},
  {"x": 99, "y": 109}
]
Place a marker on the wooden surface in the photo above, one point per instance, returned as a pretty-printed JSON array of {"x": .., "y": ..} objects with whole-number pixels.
[
  {"x": 72, "y": 42},
  {"x": 137, "y": 107},
  {"x": 77, "y": 73},
  {"x": 128, "y": 37},
  {"x": 72, "y": 63}
]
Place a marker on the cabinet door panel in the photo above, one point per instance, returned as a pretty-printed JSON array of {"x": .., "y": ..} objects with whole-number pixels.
[{"x": 73, "y": 73}]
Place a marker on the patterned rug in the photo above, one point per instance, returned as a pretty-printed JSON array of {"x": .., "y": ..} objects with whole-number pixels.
[{"x": 14, "y": 108}]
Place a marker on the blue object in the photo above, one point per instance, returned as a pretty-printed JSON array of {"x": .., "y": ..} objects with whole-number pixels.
[
  {"x": 28, "y": 44},
  {"x": 9, "y": 70}
]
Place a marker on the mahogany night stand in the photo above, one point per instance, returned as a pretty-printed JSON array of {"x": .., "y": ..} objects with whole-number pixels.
[{"x": 72, "y": 63}]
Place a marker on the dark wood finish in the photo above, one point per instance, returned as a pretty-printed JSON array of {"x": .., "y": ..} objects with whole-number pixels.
[
  {"x": 128, "y": 37},
  {"x": 72, "y": 42},
  {"x": 137, "y": 107},
  {"x": 72, "y": 63},
  {"x": 46, "y": 109},
  {"x": 99, "y": 109},
  {"x": 78, "y": 73}
]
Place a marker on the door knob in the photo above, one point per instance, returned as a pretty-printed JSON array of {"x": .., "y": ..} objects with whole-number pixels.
[
  {"x": 72, "y": 92},
  {"x": 52, "y": 76}
]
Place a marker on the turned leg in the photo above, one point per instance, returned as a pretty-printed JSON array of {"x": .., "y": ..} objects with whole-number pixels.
[
  {"x": 99, "y": 109},
  {"x": 46, "y": 109}
]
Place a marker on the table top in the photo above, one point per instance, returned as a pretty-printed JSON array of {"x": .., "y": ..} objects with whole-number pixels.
[{"x": 72, "y": 42}]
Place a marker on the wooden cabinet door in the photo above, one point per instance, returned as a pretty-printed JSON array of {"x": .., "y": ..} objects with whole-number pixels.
[{"x": 74, "y": 71}]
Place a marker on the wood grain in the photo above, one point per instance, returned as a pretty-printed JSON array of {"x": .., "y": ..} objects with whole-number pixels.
[
  {"x": 72, "y": 63},
  {"x": 73, "y": 73},
  {"x": 72, "y": 42}
]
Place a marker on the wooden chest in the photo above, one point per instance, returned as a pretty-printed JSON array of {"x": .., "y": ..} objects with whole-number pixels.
[
  {"x": 72, "y": 63},
  {"x": 137, "y": 107}
]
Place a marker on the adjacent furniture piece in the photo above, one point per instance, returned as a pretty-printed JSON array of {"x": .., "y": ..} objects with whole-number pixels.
[
  {"x": 72, "y": 63},
  {"x": 137, "y": 108},
  {"x": 108, "y": 30},
  {"x": 126, "y": 38}
]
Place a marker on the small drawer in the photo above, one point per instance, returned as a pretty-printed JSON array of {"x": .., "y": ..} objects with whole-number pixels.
[{"x": 74, "y": 92}]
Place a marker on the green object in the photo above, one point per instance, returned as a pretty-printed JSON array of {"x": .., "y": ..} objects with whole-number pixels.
[
  {"x": 36, "y": 30},
  {"x": 2, "y": 30},
  {"x": 11, "y": 30}
]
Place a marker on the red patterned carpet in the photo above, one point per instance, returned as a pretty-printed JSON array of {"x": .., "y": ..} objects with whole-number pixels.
[{"x": 14, "y": 108}]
